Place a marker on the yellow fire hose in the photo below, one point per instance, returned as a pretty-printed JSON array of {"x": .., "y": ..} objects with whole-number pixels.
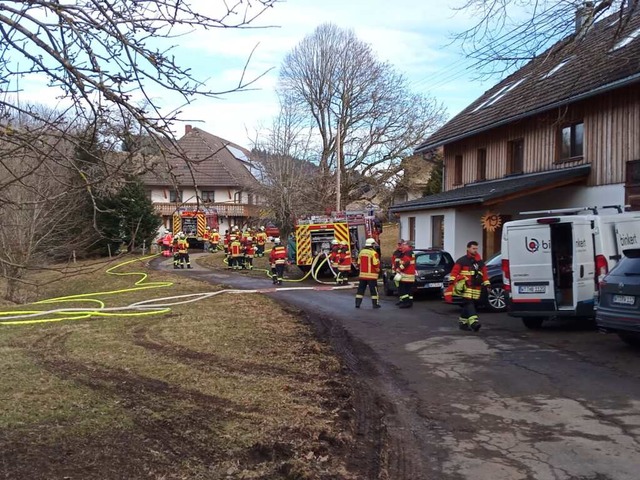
[{"x": 137, "y": 309}]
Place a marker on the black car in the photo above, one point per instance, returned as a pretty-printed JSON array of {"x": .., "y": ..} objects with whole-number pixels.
[
  {"x": 432, "y": 266},
  {"x": 496, "y": 298},
  {"x": 619, "y": 307}
]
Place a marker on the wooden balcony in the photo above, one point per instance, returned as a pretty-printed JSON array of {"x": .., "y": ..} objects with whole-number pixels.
[{"x": 223, "y": 209}]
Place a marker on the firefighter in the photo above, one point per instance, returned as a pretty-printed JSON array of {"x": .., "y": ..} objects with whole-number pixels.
[
  {"x": 225, "y": 241},
  {"x": 261, "y": 240},
  {"x": 174, "y": 250},
  {"x": 468, "y": 278},
  {"x": 166, "y": 243},
  {"x": 214, "y": 240},
  {"x": 395, "y": 264},
  {"x": 278, "y": 260},
  {"x": 369, "y": 265},
  {"x": 249, "y": 253},
  {"x": 183, "y": 251},
  {"x": 235, "y": 253},
  {"x": 334, "y": 258},
  {"x": 407, "y": 270},
  {"x": 344, "y": 263},
  {"x": 205, "y": 239}
]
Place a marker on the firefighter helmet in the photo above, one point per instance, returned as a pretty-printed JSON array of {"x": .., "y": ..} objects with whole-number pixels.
[
  {"x": 208, "y": 228},
  {"x": 277, "y": 241},
  {"x": 214, "y": 230},
  {"x": 334, "y": 242},
  {"x": 262, "y": 229},
  {"x": 249, "y": 239},
  {"x": 369, "y": 242}
]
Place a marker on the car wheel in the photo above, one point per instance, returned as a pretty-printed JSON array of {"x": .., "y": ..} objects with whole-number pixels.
[
  {"x": 497, "y": 298},
  {"x": 630, "y": 338},
  {"x": 533, "y": 323}
]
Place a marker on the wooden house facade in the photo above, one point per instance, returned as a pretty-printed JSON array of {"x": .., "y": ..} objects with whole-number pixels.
[{"x": 561, "y": 132}]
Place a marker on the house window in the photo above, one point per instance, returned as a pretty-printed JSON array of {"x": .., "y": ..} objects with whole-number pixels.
[
  {"x": 437, "y": 231},
  {"x": 457, "y": 170},
  {"x": 481, "y": 164},
  {"x": 175, "y": 196},
  {"x": 208, "y": 196},
  {"x": 412, "y": 229},
  {"x": 516, "y": 156},
  {"x": 632, "y": 185},
  {"x": 571, "y": 142}
]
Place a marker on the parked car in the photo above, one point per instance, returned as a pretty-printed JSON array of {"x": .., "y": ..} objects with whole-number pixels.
[
  {"x": 497, "y": 296},
  {"x": 618, "y": 310},
  {"x": 432, "y": 266}
]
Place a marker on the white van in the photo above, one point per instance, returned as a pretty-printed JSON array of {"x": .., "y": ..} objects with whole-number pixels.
[{"x": 552, "y": 264}]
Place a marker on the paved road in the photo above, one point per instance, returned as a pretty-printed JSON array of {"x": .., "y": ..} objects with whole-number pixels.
[{"x": 503, "y": 404}]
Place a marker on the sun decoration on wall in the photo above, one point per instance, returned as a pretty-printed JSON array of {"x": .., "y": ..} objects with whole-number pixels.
[{"x": 491, "y": 221}]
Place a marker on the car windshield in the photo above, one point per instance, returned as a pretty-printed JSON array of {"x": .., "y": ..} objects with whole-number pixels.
[{"x": 430, "y": 259}]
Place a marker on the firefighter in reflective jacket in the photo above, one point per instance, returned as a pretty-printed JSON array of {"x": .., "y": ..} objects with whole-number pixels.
[
  {"x": 468, "y": 278},
  {"x": 406, "y": 266},
  {"x": 278, "y": 260},
  {"x": 235, "y": 253},
  {"x": 344, "y": 263},
  {"x": 261, "y": 240},
  {"x": 334, "y": 258},
  {"x": 249, "y": 253},
  {"x": 183, "y": 252},
  {"x": 205, "y": 239},
  {"x": 214, "y": 240},
  {"x": 369, "y": 264}
]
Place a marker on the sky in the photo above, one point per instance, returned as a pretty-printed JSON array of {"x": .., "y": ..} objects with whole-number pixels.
[{"x": 413, "y": 35}]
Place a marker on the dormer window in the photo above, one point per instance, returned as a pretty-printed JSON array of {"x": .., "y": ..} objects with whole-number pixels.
[{"x": 626, "y": 40}]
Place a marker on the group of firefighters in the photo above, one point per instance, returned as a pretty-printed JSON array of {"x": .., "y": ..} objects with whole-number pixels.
[{"x": 469, "y": 274}]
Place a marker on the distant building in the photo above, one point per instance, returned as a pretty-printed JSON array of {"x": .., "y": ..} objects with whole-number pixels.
[{"x": 218, "y": 175}]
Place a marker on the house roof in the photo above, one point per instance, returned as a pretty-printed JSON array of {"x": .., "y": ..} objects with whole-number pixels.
[
  {"x": 479, "y": 193},
  {"x": 606, "y": 57},
  {"x": 214, "y": 161}
]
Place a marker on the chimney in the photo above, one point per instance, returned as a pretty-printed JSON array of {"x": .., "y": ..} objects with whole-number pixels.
[
  {"x": 584, "y": 17},
  {"x": 187, "y": 129}
]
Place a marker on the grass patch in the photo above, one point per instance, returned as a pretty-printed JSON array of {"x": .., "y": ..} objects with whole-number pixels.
[{"x": 227, "y": 387}]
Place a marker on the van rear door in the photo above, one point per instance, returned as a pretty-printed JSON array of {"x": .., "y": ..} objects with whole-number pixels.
[{"x": 531, "y": 269}]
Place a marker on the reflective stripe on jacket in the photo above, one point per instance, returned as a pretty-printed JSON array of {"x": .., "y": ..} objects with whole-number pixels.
[
  {"x": 407, "y": 266},
  {"x": 278, "y": 255},
  {"x": 369, "y": 264}
]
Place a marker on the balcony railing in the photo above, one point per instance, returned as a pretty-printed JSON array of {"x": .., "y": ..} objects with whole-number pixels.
[{"x": 223, "y": 209}]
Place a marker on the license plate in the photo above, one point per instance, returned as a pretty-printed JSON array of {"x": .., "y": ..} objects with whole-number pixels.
[
  {"x": 434, "y": 285},
  {"x": 624, "y": 299},
  {"x": 532, "y": 289}
]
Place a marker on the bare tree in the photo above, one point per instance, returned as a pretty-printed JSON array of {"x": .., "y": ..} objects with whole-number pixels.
[
  {"x": 101, "y": 58},
  {"x": 509, "y": 33},
  {"x": 358, "y": 106},
  {"x": 282, "y": 157}
]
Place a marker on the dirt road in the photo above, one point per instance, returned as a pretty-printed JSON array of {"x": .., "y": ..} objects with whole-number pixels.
[{"x": 503, "y": 404}]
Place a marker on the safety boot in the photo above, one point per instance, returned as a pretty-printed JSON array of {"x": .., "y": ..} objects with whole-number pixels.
[
  {"x": 188, "y": 266},
  {"x": 358, "y": 302},
  {"x": 376, "y": 304},
  {"x": 182, "y": 266}
]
